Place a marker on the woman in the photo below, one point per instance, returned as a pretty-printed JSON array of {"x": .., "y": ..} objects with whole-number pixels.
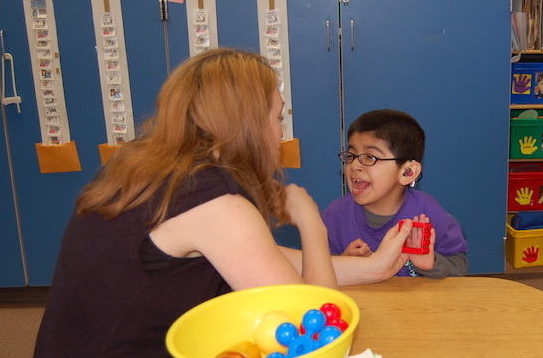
[{"x": 183, "y": 214}]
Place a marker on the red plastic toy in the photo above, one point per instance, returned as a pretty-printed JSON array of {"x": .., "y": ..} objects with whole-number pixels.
[{"x": 418, "y": 241}]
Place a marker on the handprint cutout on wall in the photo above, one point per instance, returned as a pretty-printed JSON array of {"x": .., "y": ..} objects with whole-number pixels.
[
  {"x": 531, "y": 254},
  {"x": 522, "y": 83},
  {"x": 527, "y": 145},
  {"x": 524, "y": 196}
]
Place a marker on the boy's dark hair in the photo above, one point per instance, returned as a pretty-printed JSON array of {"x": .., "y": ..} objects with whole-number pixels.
[{"x": 404, "y": 136}]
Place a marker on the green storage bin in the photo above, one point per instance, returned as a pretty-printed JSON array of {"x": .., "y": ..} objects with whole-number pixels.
[{"x": 526, "y": 134}]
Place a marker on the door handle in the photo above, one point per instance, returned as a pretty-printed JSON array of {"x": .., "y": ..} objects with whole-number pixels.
[
  {"x": 328, "y": 40},
  {"x": 163, "y": 10},
  {"x": 352, "y": 34},
  {"x": 15, "y": 99}
]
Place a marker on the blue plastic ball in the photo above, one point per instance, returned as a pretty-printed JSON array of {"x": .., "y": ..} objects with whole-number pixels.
[
  {"x": 301, "y": 345},
  {"x": 328, "y": 334},
  {"x": 275, "y": 355},
  {"x": 313, "y": 321},
  {"x": 286, "y": 333}
]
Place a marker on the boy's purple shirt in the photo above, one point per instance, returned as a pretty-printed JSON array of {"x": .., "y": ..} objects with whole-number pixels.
[{"x": 346, "y": 221}]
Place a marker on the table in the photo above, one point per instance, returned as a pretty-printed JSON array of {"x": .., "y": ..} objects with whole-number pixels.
[{"x": 454, "y": 317}]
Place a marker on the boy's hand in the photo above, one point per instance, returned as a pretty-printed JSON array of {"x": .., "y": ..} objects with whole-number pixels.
[
  {"x": 425, "y": 262},
  {"x": 357, "y": 247}
]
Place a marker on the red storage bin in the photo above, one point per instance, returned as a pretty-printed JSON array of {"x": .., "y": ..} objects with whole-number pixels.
[{"x": 525, "y": 187}]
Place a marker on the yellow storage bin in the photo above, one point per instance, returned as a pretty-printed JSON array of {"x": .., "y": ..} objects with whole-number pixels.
[{"x": 524, "y": 248}]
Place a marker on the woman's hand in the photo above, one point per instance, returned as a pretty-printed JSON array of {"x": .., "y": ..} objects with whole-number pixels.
[
  {"x": 304, "y": 214},
  {"x": 381, "y": 265},
  {"x": 389, "y": 254},
  {"x": 300, "y": 206}
]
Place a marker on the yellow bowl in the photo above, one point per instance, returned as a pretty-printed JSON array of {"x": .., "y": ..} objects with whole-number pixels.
[{"x": 222, "y": 322}]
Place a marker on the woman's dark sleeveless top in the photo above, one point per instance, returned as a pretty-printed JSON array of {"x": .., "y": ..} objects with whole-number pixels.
[{"x": 111, "y": 297}]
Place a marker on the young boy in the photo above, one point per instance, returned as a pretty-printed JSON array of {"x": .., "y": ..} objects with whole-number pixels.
[{"x": 381, "y": 163}]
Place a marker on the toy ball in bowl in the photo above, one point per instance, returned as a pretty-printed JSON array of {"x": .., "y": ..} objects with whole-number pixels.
[{"x": 245, "y": 324}]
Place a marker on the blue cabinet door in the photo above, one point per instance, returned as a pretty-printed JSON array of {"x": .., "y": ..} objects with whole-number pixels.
[
  {"x": 237, "y": 25},
  {"x": 316, "y": 102},
  {"x": 146, "y": 53},
  {"x": 314, "y": 67},
  {"x": 46, "y": 200},
  {"x": 11, "y": 262},
  {"x": 447, "y": 64}
]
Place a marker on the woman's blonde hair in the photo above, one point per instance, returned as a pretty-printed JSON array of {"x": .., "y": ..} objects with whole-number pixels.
[{"x": 213, "y": 110}]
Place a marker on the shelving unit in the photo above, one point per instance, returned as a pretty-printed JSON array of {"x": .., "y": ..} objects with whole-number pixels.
[
  {"x": 526, "y": 106},
  {"x": 525, "y": 182},
  {"x": 524, "y": 160}
]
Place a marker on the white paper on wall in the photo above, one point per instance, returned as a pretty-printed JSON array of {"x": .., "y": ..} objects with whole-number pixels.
[
  {"x": 46, "y": 71},
  {"x": 113, "y": 67},
  {"x": 202, "y": 25},
  {"x": 273, "y": 36}
]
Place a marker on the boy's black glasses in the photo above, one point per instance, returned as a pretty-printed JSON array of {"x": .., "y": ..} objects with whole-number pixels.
[{"x": 364, "y": 158}]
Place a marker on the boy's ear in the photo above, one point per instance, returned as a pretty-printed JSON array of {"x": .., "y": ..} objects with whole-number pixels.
[{"x": 410, "y": 172}]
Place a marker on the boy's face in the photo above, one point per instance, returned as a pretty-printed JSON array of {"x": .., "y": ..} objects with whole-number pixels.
[{"x": 376, "y": 187}]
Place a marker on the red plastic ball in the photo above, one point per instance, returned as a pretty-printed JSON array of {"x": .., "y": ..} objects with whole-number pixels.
[
  {"x": 339, "y": 323},
  {"x": 331, "y": 311}
]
